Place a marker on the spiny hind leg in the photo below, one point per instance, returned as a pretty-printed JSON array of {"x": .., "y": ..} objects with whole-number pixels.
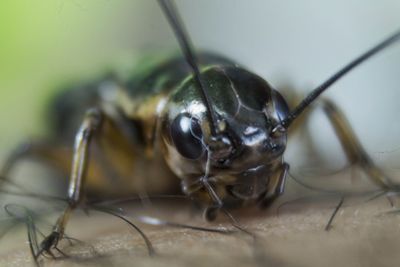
[
  {"x": 352, "y": 147},
  {"x": 102, "y": 173},
  {"x": 50, "y": 153}
]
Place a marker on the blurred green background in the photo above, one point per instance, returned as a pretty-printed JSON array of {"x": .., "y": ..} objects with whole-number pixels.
[
  {"x": 45, "y": 43},
  {"x": 292, "y": 44}
]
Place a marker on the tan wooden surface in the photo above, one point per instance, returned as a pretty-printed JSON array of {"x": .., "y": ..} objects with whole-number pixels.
[{"x": 362, "y": 235}]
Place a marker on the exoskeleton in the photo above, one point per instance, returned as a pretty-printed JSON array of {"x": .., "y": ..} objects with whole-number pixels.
[{"x": 199, "y": 120}]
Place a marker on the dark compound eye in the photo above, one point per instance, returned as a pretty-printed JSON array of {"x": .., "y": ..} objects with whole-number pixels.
[{"x": 186, "y": 134}]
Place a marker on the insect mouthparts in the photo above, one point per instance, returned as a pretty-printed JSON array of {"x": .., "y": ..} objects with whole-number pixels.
[{"x": 220, "y": 147}]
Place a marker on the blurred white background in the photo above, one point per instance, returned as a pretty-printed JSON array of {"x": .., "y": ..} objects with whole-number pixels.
[
  {"x": 299, "y": 44},
  {"x": 292, "y": 44}
]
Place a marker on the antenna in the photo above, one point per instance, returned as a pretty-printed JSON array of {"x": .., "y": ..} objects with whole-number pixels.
[
  {"x": 325, "y": 85},
  {"x": 172, "y": 15}
]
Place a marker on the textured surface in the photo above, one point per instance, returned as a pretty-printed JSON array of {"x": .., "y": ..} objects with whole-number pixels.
[
  {"x": 48, "y": 41},
  {"x": 361, "y": 236}
]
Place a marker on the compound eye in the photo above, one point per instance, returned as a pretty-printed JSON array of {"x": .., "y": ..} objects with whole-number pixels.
[{"x": 186, "y": 134}]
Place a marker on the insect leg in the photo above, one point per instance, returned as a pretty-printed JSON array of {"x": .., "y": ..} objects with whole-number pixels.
[
  {"x": 52, "y": 154},
  {"x": 18, "y": 153},
  {"x": 90, "y": 125},
  {"x": 276, "y": 186},
  {"x": 354, "y": 151}
]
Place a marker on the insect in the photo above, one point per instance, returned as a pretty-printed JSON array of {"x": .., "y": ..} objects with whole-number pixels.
[{"x": 224, "y": 143}]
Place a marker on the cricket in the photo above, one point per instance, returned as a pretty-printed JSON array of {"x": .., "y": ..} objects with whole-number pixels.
[{"x": 197, "y": 123}]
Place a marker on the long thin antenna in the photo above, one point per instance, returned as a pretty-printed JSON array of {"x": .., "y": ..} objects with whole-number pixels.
[
  {"x": 185, "y": 43},
  {"x": 320, "y": 89}
]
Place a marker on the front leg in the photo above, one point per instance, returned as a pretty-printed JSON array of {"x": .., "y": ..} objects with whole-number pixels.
[
  {"x": 90, "y": 126},
  {"x": 276, "y": 186}
]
